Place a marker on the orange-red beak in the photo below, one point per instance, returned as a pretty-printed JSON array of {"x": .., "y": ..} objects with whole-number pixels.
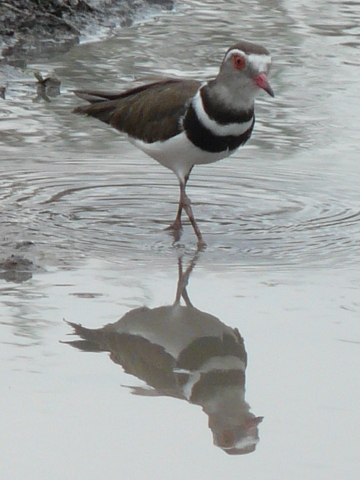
[{"x": 262, "y": 82}]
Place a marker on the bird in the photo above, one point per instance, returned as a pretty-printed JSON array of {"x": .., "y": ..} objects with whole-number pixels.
[
  {"x": 185, "y": 122},
  {"x": 182, "y": 352}
]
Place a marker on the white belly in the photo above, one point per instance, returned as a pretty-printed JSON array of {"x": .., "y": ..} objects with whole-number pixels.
[{"x": 178, "y": 154}]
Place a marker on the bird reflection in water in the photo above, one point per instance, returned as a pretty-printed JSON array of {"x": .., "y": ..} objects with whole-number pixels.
[{"x": 182, "y": 352}]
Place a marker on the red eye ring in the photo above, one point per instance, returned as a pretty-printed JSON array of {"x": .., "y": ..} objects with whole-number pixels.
[
  {"x": 227, "y": 439},
  {"x": 238, "y": 61}
]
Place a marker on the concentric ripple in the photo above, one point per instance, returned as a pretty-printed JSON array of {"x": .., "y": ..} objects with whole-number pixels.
[
  {"x": 74, "y": 189},
  {"x": 254, "y": 220}
]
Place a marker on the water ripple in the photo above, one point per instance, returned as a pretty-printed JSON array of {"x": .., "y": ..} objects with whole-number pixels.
[
  {"x": 290, "y": 198},
  {"x": 256, "y": 219}
]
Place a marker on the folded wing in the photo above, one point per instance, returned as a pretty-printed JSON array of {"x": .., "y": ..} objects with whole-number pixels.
[{"x": 151, "y": 112}]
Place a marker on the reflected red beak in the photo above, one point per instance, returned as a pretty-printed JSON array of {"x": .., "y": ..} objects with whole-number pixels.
[{"x": 262, "y": 82}]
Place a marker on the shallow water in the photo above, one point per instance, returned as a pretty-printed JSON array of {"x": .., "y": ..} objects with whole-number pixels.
[{"x": 281, "y": 218}]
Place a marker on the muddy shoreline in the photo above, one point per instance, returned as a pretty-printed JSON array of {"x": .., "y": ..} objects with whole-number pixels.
[{"x": 38, "y": 28}]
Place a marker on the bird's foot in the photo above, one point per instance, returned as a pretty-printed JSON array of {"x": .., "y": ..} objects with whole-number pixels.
[
  {"x": 176, "y": 230},
  {"x": 176, "y": 226},
  {"x": 201, "y": 245}
]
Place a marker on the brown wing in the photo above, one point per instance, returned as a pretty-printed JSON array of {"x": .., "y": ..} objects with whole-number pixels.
[{"x": 150, "y": 112}]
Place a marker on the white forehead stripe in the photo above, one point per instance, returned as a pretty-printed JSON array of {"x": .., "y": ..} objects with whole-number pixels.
[
  {"x": 259, "y": 62},
  {"x": 235, "y": 129}
]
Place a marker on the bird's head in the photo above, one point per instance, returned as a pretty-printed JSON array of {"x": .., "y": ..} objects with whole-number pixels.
[{"x": 244, "y": 73}]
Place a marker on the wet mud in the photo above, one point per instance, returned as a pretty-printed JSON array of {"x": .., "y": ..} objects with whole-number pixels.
[{"x": 33, "y": 28}]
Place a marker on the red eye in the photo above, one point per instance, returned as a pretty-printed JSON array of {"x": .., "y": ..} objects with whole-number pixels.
[
  {"x": 227, "y": 439},
  {"x": 238, "y": 61}
]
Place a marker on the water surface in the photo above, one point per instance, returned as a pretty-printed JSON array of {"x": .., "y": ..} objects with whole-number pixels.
[{"x": 281, "y": 219}]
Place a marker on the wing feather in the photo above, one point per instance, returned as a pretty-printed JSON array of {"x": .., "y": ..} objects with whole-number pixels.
[{"x": 150, "y": 112}]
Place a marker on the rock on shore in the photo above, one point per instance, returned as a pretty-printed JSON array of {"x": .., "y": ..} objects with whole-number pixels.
[{"x": 33, "y": 28}]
